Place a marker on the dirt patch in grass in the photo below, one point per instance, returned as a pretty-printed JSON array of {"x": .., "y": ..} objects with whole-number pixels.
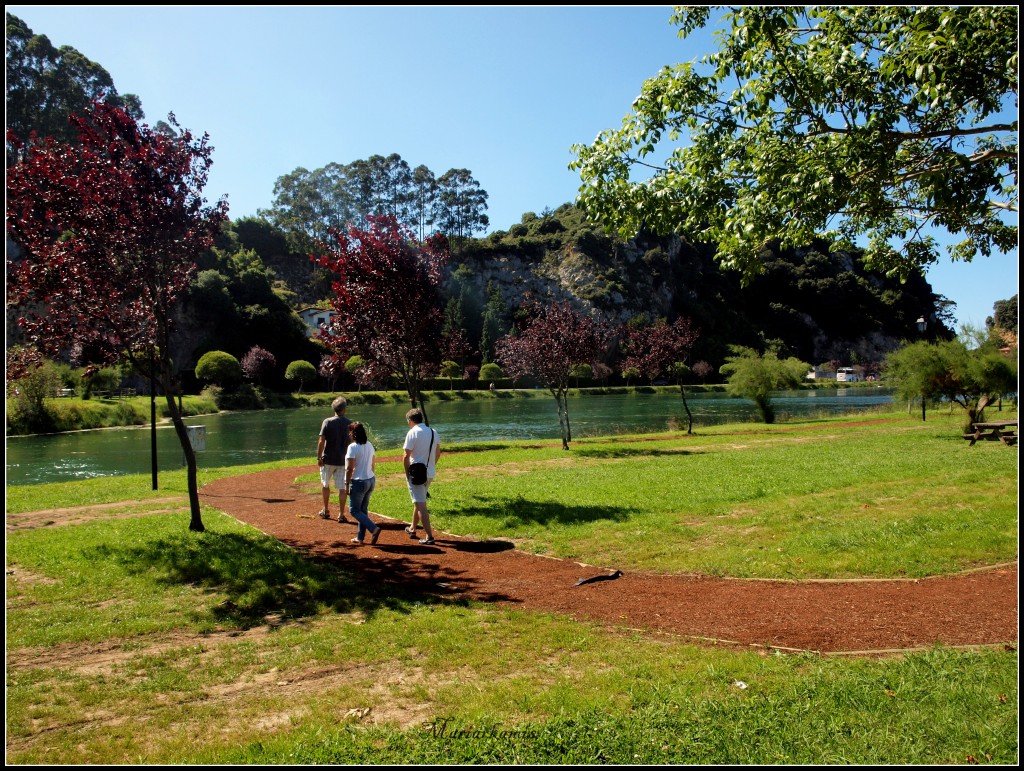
[
  {"x": 79, "y": 514},
  {"x": 977, "y": 608},
  {"x": 105, "y": 657}
]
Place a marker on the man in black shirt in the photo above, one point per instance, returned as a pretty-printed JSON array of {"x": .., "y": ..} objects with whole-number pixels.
[{"x": 330, "y": 456}]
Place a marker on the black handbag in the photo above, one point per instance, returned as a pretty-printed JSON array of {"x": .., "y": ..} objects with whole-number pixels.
[{"x": 418, "y": 471}]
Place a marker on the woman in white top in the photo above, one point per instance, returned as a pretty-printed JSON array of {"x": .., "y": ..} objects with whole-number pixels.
[{"x": 360, "y": 479}]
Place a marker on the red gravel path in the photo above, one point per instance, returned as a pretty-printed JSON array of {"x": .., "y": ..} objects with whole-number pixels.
[{"x": 978, "y": 608}]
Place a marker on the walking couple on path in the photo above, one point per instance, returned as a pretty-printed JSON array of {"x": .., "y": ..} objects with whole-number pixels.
[{"x": 345, "y": 455}]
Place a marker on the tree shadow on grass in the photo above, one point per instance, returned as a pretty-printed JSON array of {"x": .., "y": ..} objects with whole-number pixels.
[
  {"x": 264, "y": 578},
  {"x": 256, "y": 497},
  {"x": 618, "y": 451},
  {"x": 489, "y": 448},
  {"x": 518, "y": 511}
]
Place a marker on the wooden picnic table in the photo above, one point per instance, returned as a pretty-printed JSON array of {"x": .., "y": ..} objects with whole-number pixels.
[{"x": 1004, "y": 431}]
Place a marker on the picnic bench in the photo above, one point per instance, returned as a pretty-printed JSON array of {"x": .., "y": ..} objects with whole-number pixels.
[{"x": 1004, "y": 431}]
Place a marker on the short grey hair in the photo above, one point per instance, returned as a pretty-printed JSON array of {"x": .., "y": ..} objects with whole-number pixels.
[{"x": 339, "y": 405}]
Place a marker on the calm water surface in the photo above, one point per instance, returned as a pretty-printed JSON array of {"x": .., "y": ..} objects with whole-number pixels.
[{"x": 255, "y": 437}]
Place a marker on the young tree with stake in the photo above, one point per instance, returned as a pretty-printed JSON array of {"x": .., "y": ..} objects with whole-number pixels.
[
  {"x": 553, "y": 340},
  {"x": 111, "y": 229},
  {"x": 655, "y": 349}
]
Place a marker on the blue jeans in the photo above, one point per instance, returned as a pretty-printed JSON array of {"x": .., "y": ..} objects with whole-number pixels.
[{"x": 359, "y": 504}]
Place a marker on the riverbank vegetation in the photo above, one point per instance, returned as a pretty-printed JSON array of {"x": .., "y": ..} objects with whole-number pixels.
[{"x": 125, "y": 621}]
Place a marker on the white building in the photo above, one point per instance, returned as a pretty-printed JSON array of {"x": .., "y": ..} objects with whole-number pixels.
[
  {"x": 315, "y": 318},
  {"x": 822, "y": 372}
]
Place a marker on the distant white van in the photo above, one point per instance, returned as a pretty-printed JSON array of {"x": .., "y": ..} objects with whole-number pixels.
[{"x": 847, "y": 375}]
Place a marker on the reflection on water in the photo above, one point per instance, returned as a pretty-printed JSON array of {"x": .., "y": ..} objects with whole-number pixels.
[{"x": 254, "y": 437}]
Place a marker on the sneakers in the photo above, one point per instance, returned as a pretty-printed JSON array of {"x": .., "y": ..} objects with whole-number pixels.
[
  {"x": 373, "y": 538},
  {"x": 356, "y": 540},
  {"x": 323, "y": 514},
  {"x": 411, "y": 531},
  {"x": 427, "y": 541},
  {"x": 343, "y": 521}
]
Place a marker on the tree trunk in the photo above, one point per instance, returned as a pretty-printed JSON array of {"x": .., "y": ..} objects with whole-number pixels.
[
  {"x": 568, "y": 428},
  {"x": 416, "y": 400},
  {"x": 764, "y": 406},
  {"x": 563, "y": 419},
  {"x": 689, "y": 417},
  {"x": 196, "y": 523},
  {"x": 979, "y": 413}
]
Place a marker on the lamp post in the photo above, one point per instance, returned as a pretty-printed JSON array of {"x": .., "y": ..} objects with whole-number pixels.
[
  {"x": 152, "y": 415},
  {"x": 922, "y": 325}
]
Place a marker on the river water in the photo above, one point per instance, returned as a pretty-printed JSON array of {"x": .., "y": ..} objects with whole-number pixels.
[{"x": 241, "y": 438}]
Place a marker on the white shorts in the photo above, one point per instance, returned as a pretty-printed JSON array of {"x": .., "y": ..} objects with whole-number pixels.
[
  {"x": 338, "y": 472},
  {"x": 418, "y": 493}
]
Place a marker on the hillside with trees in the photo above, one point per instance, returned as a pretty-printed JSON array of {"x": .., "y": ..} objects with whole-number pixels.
[{"x": 810, "y": 302}]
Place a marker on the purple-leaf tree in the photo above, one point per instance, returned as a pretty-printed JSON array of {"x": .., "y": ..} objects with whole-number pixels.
[
  {"x": 656, "y": 350},
  {"x": 330, "y": 369},
  {"x": 702, "y": 369},
  {"x": 387, "y": 293},
  {"x": 257, "y": 364},
  {"x": 110, "y": 230},
  {"x": 454, "y": 345},
  {"x": 551, "y": 341}
]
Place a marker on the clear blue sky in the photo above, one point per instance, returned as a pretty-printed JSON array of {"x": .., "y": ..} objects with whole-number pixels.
[{"x": 501, "y": 91}]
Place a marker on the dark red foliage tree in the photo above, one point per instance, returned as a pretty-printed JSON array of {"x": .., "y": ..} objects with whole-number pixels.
[
  {"x": 702, "y": 369},
  {"x": 656, "y": 350},
  {"x": 454, "y": 345},
  {"x": 389, "y": 302},
  {"x": 257, "y": 364},
  {"x": 551, "y": 341},
  {"x": 330, "y": 369},
  {"x": 110, "y": 231}
]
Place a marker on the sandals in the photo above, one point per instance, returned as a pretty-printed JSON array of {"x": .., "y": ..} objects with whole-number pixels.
[
  {"x": 427, "y": 541},
  {"x": 411, "y": 531},
  {"x": 341, "y": 517}
]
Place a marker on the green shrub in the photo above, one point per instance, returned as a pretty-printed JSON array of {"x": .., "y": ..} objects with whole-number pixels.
[
  {"x": 491, "y": 371},
  {"x": 219, "y": 368},
  {"x": 106, "y": 379},
  {"x": 245, "y": 397},
  {"x": 28, "y": 412},
  {"x": 302, "y": 371}
]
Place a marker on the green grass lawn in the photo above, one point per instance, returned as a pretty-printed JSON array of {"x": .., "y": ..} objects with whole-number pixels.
[{"x": 131, "y": 640}]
